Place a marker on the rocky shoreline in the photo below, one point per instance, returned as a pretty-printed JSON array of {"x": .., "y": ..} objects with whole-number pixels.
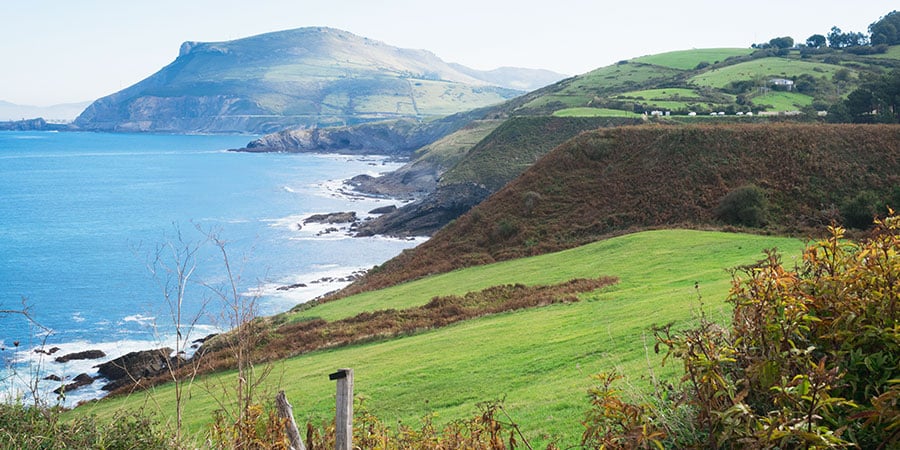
[{"x": 127, "y": 370}]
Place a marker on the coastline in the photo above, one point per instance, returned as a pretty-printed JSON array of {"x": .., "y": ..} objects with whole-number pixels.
[{"x": 280, "y": 295}]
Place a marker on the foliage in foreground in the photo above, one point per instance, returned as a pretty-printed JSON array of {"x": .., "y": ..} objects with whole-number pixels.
[
  {"x": 36, "y": 428},
  {"x": 812, "y": 357}
]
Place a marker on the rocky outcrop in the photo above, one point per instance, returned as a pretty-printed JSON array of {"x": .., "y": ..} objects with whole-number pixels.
[
  {"x": 428, "y": 215},
  {"x": 384, "y": 209},
  {"x": 87, "y": 354},
  {"x": 331, "y": 218},
  {"x": 79, "y": 381},
  {"x": 399, "y": 137},
  {"x": 38, "y": 124},
  {"x": 130, "y": 368},
  {"x": 412, "y": 182}
]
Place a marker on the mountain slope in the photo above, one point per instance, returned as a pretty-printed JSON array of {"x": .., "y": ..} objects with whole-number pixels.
[
  {"x": 64, "y": 112},
  {"x": 611, "y": 180},
  {"x": 481, "y": 170},
  {"x": 306, "y": 76}
]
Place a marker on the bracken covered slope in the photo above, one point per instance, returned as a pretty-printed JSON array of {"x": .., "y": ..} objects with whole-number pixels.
[{"x": 609, "y": 181}]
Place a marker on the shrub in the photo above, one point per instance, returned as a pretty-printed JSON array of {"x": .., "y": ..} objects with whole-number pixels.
[
  {"x": 745, "y": 206},
  {"x": 812, "y": 357},
  {"x": 860, "y": 211},
  {"x": 530, "y": 201},
  {"x": 42, "y": 428},
  {"x": 505, "y": 229}
]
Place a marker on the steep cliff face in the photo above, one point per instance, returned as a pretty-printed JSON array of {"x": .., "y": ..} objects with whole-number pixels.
[{"x": 308, "y": 77}]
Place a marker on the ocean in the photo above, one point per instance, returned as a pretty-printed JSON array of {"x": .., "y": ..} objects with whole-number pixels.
[{"x": 83, "y": 217}]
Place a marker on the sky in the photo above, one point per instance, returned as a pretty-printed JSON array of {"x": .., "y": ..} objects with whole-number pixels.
[{"x": 62, "y": 51}]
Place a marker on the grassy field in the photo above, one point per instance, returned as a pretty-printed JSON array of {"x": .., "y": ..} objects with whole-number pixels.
[
  {"x": 580, "y": 90},
  {"x": 539, "y": 360},
  {"x": 519, "y": 142},
  {"x": 688, "y": 59},
  {"x": 594, "y": 112},
  {"x": 447, "y": 151},
  {"x": 762, "y": 68},
  {"x": 783, "y": 101},
  {"x": 662, "y": 94},
  {"x": 892, "y": 53}
]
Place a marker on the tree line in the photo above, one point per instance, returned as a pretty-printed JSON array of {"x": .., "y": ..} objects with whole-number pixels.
[{"x": 882, "y": 33}]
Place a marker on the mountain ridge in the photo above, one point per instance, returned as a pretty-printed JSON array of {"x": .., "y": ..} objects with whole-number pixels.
[{"x": 307, "y": 77}]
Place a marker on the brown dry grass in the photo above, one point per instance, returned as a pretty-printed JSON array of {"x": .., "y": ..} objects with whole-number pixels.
[{"x": 610, "y": 181}]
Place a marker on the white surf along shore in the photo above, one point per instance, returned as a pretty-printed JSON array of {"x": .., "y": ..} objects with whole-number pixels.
[{"x": 274, "y": 296}]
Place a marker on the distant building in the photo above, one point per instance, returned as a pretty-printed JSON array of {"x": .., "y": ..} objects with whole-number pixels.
[{"x": 782, "y": 83}]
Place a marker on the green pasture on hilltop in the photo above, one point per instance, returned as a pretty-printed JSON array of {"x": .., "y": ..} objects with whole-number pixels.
[
  {"x": 892, "y": 53},
  {"x": 689, "y": 59},
  {"x": 593, "y": 112},
  {"x": 763, "y": 68},
  {"x": 783, "y": 101},
  {"x": 581, "y": 90},
  {"x": 538, "y": 360},
  {"x": 662, "y": 94}
]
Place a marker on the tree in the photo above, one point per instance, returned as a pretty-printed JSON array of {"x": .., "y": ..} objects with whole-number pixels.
[
  {"x": 782, "y": 42},
  {"x": 172, "y": 266},
  {"x": 877, "y": 101},
  {"x": 836, "y": 38},
  {"x": 815, "y": 41},
  {"x": 886, "y": 30},
  {"x": 839, "y": 39}
]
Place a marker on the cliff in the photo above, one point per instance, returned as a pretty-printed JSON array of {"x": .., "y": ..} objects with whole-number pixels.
[{"x": 305, "y": 77}]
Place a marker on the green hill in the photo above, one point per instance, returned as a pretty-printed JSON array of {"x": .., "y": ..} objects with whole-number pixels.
[
  {"x": 302, "y": 77},
  {"x": 734, "y": 85},
  {"x": 538, "y": 360},
  {"x": 608, "y": 181}
]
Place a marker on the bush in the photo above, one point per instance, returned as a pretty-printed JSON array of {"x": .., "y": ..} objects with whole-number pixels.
[
  {"x": 39, "y": 428},
  {"x": 746, "y": 205},
  {"x": 860, "y": 211},
  {"x": 505, "y": 229},
  {"x": 812, "y": 357}
]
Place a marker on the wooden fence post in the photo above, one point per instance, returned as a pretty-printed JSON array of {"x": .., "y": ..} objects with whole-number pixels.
[
  {"x": 343, "y": 425},
  {"x": 286, "y": 412}
]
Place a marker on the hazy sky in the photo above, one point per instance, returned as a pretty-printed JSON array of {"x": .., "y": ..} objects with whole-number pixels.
[{"x": 74, "y": 50}]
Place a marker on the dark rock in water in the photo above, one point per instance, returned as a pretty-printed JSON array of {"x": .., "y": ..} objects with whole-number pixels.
[
  {"x": 384, "y": 209},
  {"x": 328, "y": 230},
  {"x": 290, "y": 286},
  {"x": 47, "y": 352},
  {"x": 87, "y": 354},
  {"x": 204, "y": 338},
  {"x": 53, "y": 377},
  {"x": 79, "y": 381},
  {"x": 335, "y": 217},
  {"x": 136, "y": 365}
]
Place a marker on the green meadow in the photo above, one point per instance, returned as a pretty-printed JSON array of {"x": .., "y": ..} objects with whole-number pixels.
[
  {"x": 537, "y": 361},
  {"x": 783, "y": 101},
  {"x": 594, "y": 112},
  {"x": 689, "y": 59},
  {"x": 762, "y": 68}
]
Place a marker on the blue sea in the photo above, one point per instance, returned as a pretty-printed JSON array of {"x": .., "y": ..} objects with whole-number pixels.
[{"x": 83, "y": 217}]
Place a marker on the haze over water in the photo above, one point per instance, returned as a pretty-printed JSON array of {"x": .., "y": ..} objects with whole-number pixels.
[{"x": 81, "y": 216}]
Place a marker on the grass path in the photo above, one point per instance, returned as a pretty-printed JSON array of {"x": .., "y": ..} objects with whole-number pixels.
[{"x": 539, "y": 360}]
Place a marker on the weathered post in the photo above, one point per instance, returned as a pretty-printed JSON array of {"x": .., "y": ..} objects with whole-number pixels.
[
  {"x": 343, "y": 424},
  {"x": 286, "y": 412}
]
